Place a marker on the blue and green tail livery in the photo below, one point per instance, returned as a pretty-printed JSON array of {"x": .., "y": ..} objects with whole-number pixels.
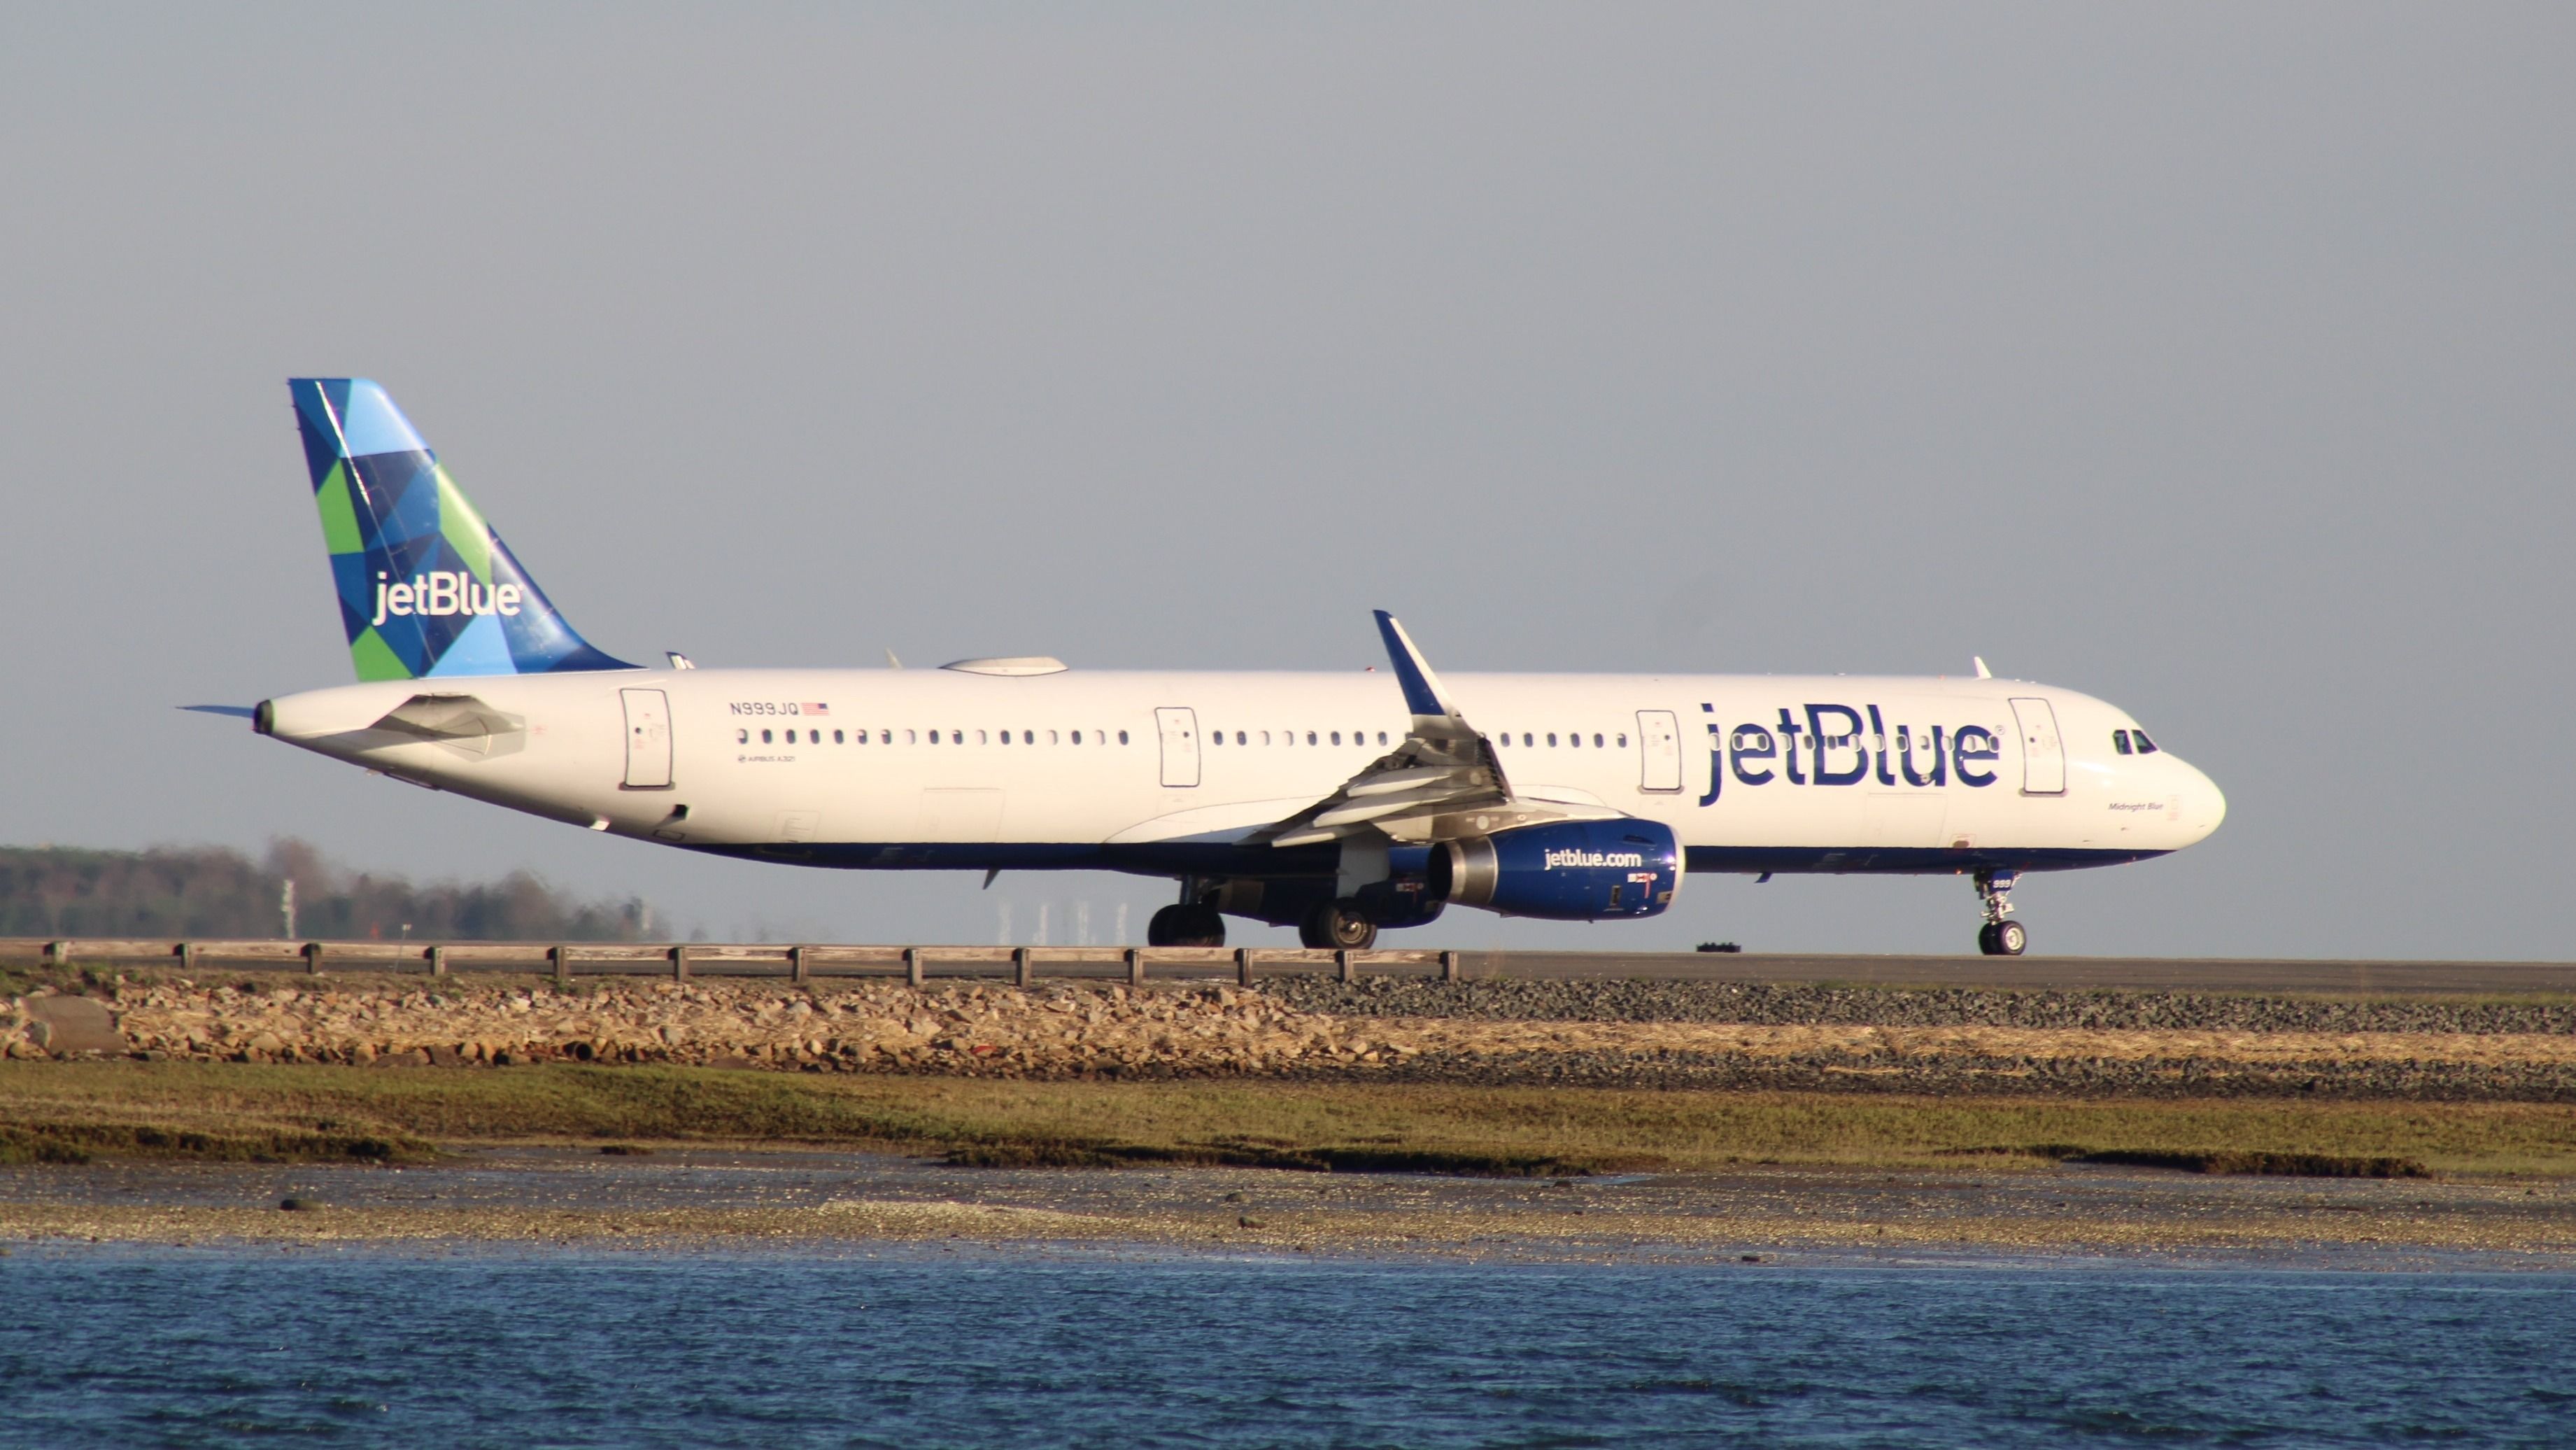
[{"x": 426, "y": 588}]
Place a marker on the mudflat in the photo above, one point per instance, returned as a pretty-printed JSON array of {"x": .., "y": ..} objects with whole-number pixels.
[{"x": 702, "y": 1197}]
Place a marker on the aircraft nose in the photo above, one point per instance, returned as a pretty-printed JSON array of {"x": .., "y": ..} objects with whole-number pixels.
[{"x": 2204, "y": 804}]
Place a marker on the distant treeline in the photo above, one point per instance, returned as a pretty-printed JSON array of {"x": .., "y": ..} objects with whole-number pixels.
[{"x": 214, "y": 891}]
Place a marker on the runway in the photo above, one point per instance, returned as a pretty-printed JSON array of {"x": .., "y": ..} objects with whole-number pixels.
[{"x": 929, "y": 962}]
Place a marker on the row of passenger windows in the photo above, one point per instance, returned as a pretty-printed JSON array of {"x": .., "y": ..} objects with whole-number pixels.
[
  {"x": 931, "y": 737},
  {"x": 1289, "y": 737},
  {"x": 2120, "y": 741},
  {"x": 1573, "y": 739},
  {"x": 1757, "y": 739}
]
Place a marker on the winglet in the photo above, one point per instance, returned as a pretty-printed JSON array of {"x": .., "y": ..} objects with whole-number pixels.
[{"x": 1422, "y": 692}]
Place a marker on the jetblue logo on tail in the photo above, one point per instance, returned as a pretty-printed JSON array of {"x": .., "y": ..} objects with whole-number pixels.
[
  {"x": 426, "y": 588},
  {"x": 441, "y": 594}
]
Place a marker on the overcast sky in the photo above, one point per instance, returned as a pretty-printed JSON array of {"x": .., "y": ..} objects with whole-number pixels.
[{"x": 2217, "y": 360}]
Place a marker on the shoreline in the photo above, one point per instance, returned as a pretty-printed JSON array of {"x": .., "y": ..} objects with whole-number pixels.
[{"x": 689, "y": 1200}]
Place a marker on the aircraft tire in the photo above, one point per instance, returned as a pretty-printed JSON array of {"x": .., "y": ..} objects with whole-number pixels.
[
  {"x": 2011, "y": 938},
  {"x": 1337, "y": 926},
  {"x": 1186, "y": 926},
  {"x": 1205, "y": 928}
]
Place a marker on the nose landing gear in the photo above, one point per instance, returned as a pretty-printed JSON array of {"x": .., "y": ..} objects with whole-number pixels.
[{"x": 2001, "y": 936}]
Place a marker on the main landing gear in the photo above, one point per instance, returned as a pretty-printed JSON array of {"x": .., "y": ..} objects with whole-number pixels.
[
  {"x": 1189, "y": 924},
  {"x": 1338, "y": 926},
  {"x": 2001, "y": 936}
]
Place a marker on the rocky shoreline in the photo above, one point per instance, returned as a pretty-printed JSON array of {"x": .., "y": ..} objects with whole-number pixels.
[{"x": 1520, "y": 1033}]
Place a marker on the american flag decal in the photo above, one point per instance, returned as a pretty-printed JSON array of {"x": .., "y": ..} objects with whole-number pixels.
[{"x": 812, "y": 709}]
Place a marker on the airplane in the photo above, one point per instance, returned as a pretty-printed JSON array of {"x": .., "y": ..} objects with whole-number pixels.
[{"x": 1339, "y": 803}]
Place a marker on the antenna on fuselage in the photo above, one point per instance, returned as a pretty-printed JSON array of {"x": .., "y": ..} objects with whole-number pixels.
[
  {"x": 891, "y": 662},
  {"x": 1980, "y": 662}
]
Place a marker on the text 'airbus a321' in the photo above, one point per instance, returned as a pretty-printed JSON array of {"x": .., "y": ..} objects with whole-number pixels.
[{"x": 1337, "y": 803}]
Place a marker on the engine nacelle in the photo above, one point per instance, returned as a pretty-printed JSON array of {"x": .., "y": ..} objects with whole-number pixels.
[{"x": 1569, "y": 871}]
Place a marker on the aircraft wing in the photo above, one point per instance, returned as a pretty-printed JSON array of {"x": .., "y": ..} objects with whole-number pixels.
[{"x": 1443, "y": 781}]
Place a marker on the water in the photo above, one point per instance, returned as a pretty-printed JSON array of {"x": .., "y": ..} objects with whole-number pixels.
[{"x": 915, "y": 1347}]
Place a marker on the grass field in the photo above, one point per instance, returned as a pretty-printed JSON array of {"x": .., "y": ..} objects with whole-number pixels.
[{"x": 69, "y": 1111}]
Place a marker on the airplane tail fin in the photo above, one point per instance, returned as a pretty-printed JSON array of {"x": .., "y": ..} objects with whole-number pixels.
[{"x": 426, "y": 587}]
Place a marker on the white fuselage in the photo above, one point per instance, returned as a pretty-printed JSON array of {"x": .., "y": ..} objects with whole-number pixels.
[{"x": 1172, "y": 768}]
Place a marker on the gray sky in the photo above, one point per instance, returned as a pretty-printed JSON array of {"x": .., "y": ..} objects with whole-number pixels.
[{"x": 2213, "y": 359}]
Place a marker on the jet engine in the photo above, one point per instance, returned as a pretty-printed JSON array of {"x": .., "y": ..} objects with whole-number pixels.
[{"x": 1565, "y": 871}]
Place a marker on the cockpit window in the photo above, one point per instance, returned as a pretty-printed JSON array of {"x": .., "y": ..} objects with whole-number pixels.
[
  {"x": 2145, "y": 746},
  {"x": 2120, "y": 741}
]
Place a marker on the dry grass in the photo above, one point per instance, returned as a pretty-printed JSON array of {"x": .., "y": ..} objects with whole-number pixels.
[{"x": 307, "y": 1111}]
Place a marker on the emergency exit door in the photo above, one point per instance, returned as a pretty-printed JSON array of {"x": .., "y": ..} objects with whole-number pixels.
[
  {"x": 1659, "y": 735},
  {"x": 648, "y": 739},
  {"x": 1180, "y": 731},
  {"x": 2043, "y": 755}
]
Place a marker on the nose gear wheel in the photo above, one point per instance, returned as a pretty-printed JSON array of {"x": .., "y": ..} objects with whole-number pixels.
[{"x": 2000, "y": 936}]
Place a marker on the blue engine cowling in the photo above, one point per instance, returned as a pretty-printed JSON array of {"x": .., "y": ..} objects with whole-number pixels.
[{"x": 1569, "y": 871}]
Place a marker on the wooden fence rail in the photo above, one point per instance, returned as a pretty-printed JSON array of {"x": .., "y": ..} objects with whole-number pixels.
[
  {"x": 802, "y": 962},
  {"x": 813, "y": 961}
]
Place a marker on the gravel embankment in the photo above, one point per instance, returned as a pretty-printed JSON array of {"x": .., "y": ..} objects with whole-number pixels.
[
  {"x": 1807, "y": 1006},
  {"x": 1595, "y": 1034}
]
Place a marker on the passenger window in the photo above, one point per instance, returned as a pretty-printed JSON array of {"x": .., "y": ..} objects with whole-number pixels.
[
  {"x": 1122, "y": 737},
  {"x": 1006, "y": 737},
  {"x": 1574, "y": 740},
  {"x": 1526, "y": 740},
  {"x": 2120, "y": 741},
  {"x": 1077, "y": 737},
  {"x": 765, "y": 738},
  {"x": 2145, "y": 746},
  {"x": 839, "y": 739},
  {"x": 1337, "y": 737},
  {"x": 1551, "y": 739},
  {"x": 813, "y": 737},
  {"x": 1216, "y": 737},
  {"x": 1265, "y": 737},
  {"x": 1623, "y": 740},
  {"x": 1310, "y": 737},
  {"x": 1381, "y": 737},
  {"x": 1051, "y": 740},
  {"x": 742, "y": 737},
  {"x": 1596, "y": 741},
  {"x": 1240, "y": 738}
]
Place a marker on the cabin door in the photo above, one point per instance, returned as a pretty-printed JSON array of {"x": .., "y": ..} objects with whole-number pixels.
[
  {"x": 1659, "y": 735},
  {"x": 1180, "y": 732},
  {"x": 2043, "y": 756},
  {"x": 648, "y": 739}
]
